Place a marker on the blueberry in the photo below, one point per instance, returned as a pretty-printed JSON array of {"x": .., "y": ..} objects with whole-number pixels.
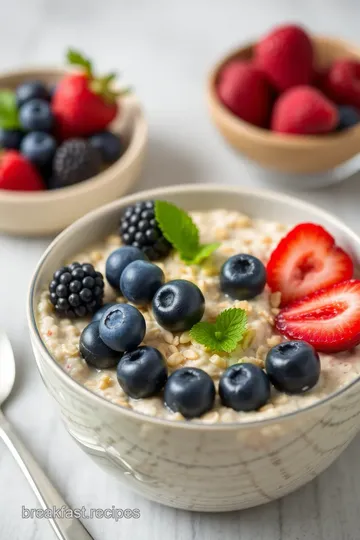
[
  {"x": 36, "y": 115},
  {"x": 10, "y": 139},
  {"x": 348, "y": 117},
  {"x": 142, "y": 373},
  {"x": 293, "y": 366},
  {"x": 52, "y": 91},
  {"x": 100, "y": 312},
  {"x": 242, "y": 277},
  {"x": 109, "y": 145},
  {"x": 117, "y": 262},
  {"x": 94, "y": 350},
  {"x": 178, "y": 305},
  {"x": 31, "y": 90},
  {"x": 244, "y": 387},
  {"x": 122, "y": 327},
  {"x": 140, "y": 280},
  {"x": 39, "y": 148},
  {"x": 190, "y": 391}
]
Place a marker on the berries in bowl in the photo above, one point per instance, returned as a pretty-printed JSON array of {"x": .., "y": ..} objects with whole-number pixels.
[
  {"x": 208, "y": 373},
  {"x": 207, "y": 314},
  {"x": 67, "y": 136},
  {"x": 290, "y": 101}
]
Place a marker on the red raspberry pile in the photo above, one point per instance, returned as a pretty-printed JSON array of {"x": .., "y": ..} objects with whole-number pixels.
[{"x": 282, "y": 89}]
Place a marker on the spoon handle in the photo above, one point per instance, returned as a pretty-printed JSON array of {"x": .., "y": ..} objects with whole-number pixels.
[{"x": 65, "y": 528}]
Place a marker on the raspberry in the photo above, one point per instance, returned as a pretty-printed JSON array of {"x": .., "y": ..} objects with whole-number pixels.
[
  {"x": 285, "y": 55},
  {"x": 245, "y": 91},
  {"x": 304, "y": 111},
  {"x": 343, "y": 82}
]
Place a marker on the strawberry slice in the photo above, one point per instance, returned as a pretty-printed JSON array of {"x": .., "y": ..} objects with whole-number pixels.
[
  {"x": 306, "y": 260},
  {"x": 328, "y": 319}
]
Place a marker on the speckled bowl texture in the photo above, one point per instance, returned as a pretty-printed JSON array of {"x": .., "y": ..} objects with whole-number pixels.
[{"x": 210, "y": 468}]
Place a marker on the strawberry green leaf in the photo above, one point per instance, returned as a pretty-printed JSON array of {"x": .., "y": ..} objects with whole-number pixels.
[
  {"x": 9, "y": 117},
  {"x": 76, "y": 58}
]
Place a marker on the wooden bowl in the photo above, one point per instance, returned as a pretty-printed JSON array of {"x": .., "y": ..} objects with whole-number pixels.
[
  {"x": 286, "y": 153},
  {"x": 48, "y": 212}
]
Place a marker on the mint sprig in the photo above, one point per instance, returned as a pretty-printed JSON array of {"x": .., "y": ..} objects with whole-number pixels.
[
  {"x": 223, "y": 335},
  {"x": 9, "y": 116},
  {"x": 180, "y": 230}
]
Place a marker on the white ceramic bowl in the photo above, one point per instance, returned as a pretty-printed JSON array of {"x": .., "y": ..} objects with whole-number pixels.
[
  {"x": 186, "y": 465},
  {"x": 48, "y": 212}
]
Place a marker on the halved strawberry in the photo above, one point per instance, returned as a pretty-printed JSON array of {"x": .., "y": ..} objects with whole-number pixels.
[
  {"x": 305, "y": 261},
  {"x": 328, "y": 319}
]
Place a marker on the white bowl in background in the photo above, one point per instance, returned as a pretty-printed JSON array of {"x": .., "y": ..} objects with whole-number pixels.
[{"x": 186, "y": 465}]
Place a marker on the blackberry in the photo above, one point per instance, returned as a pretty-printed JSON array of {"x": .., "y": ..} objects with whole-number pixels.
[
  {"x": 77, "y": 290},
  {"x": 139, "y": 228},
  {"x": 76, "y": 160}
]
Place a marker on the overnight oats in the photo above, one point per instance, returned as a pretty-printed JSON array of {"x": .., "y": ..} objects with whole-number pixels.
[{"x": 207, "y": 317}]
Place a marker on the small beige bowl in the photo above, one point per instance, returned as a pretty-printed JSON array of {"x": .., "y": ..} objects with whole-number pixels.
[
  {"x": 286, "y": 153},
  {"x": 48, "y": 212}
]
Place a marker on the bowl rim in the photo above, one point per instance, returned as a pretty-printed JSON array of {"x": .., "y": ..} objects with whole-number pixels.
[
  {"x": 135, "y": 146},
  {"x": 153, "y": 193},
  {"x": 267, "y": 136}
]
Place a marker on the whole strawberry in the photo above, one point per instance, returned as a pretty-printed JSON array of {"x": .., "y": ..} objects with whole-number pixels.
[
  {"x": 285, "y": 55},
  {"x": 245, "y": 91},
  {"x": 84, "y": 104},
  {"x": 303, "y": 110},
  {"x": 18, "y": 174},
  {"x": 343, "y": 82}
]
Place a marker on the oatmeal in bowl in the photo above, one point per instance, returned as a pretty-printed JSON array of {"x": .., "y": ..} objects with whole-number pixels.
[
  {"x": 230, "y": 283},
  {"x": 199, "y": 309}
]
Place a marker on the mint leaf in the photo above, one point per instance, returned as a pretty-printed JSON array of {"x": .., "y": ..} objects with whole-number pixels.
[
  {"x": 180, "y": 230},
  {"x": 76, "y": 58},
  {"x": 9, "y": 117},
  {"x": 204, "y": 251},
  {"x": 231, "y": 323},
  {"x": 204, "y": 333},
  {"x": 223, "y": 335}
]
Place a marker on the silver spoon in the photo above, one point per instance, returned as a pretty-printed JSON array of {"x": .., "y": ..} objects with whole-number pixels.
[{"x": 49, "y": 498}]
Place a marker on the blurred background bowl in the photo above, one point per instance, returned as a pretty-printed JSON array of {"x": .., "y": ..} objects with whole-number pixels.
[
  {"x": 48, "y": 212},
  {"x": 298, "y": 154}
]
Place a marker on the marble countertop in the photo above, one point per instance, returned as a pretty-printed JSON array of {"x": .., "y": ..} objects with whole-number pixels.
[{"x": 165, "y": 48}]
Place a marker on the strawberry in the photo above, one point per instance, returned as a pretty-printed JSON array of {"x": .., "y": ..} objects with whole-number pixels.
[
  {"x": 84, "y": 104},
  {"x": 306, "y": 260},
  {"x": 285, "y": 55},
  {"x": 245, "y": 91},
  {"x": 304, "y": 111},
  {"x": 18, "y": 174},
  {"x": 328, "y": 319},
  {"x": 343, "y": 82}
]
